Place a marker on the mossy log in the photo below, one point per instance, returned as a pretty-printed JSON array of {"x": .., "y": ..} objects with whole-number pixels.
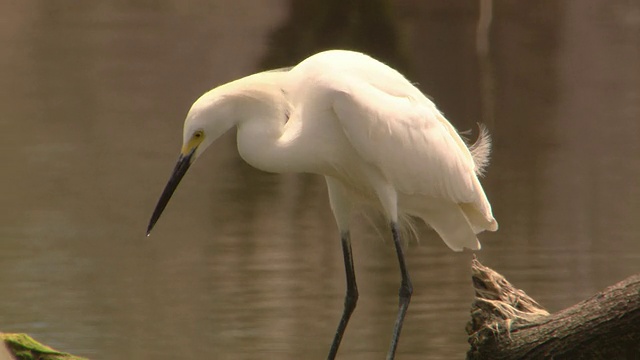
[
  {"x": 508, "y": 324},
  {"x": 23, "y": 347}
]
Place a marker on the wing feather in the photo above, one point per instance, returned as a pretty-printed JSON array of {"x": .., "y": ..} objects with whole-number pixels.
[
  {"x": 396, "y": 129},
  {"x": 411, "y": 143},
  {"x": 408, "y": 140}
]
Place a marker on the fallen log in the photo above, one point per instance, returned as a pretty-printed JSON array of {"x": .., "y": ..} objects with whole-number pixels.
[{"x": 508, "y": 324}]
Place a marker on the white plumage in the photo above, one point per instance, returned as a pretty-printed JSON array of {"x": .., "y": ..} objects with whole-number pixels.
[
  {"x": 361, "y": 122},
  {"x": 374, "y": 136}
]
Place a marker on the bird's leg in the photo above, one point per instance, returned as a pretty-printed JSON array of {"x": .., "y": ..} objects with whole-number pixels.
[
  {"x": 406, "y": 289},
  {"x": 350, "y": 299}
]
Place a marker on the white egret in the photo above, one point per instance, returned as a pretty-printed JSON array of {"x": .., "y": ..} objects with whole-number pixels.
[{"x": 376, "y": 139}]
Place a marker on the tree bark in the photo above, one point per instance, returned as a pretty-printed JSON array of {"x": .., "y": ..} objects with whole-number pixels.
[{"x": 508, "y": 324}]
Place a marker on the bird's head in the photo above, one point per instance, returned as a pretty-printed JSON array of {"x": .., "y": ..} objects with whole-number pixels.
[
  {"x": 217, "y": 111},
  {"x": 209, "y": 118}
]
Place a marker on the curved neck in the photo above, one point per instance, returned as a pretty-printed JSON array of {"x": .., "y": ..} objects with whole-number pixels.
[{"x": 266, "y": 141}]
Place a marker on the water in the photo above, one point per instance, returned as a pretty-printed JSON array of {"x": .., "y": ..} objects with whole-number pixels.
[{"x": 247, "y": 265}]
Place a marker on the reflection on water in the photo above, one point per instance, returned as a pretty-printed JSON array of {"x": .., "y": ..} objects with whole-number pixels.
[{"x": 248, "y": 263}]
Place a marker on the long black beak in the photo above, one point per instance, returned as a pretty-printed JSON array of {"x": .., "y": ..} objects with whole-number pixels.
[{"x": 184, "y": 161}]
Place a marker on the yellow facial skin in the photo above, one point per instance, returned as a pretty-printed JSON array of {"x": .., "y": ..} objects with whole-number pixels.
[{"x": 193, "y": 143}]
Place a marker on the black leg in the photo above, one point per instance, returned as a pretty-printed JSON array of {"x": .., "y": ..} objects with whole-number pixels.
[
  {"x": 406, "y": 289},
  {"x": 350, "y": 299}
]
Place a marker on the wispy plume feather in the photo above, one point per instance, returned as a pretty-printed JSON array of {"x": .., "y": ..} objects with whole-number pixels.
[{"x": 481, "y": 150}]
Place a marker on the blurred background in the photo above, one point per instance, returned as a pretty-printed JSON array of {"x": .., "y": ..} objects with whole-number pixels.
[{"x": 248, "y": 265}]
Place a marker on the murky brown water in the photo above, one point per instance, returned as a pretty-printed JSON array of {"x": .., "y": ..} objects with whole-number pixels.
[{"x": 247, "y": 265}]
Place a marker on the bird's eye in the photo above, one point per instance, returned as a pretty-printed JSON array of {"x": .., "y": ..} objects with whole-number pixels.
[{"x": 197, "y": 135}]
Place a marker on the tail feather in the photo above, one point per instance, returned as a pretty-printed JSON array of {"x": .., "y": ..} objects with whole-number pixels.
[
  {"x": 450, "y": 222},
  {"x": 477, "y": 220}
]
